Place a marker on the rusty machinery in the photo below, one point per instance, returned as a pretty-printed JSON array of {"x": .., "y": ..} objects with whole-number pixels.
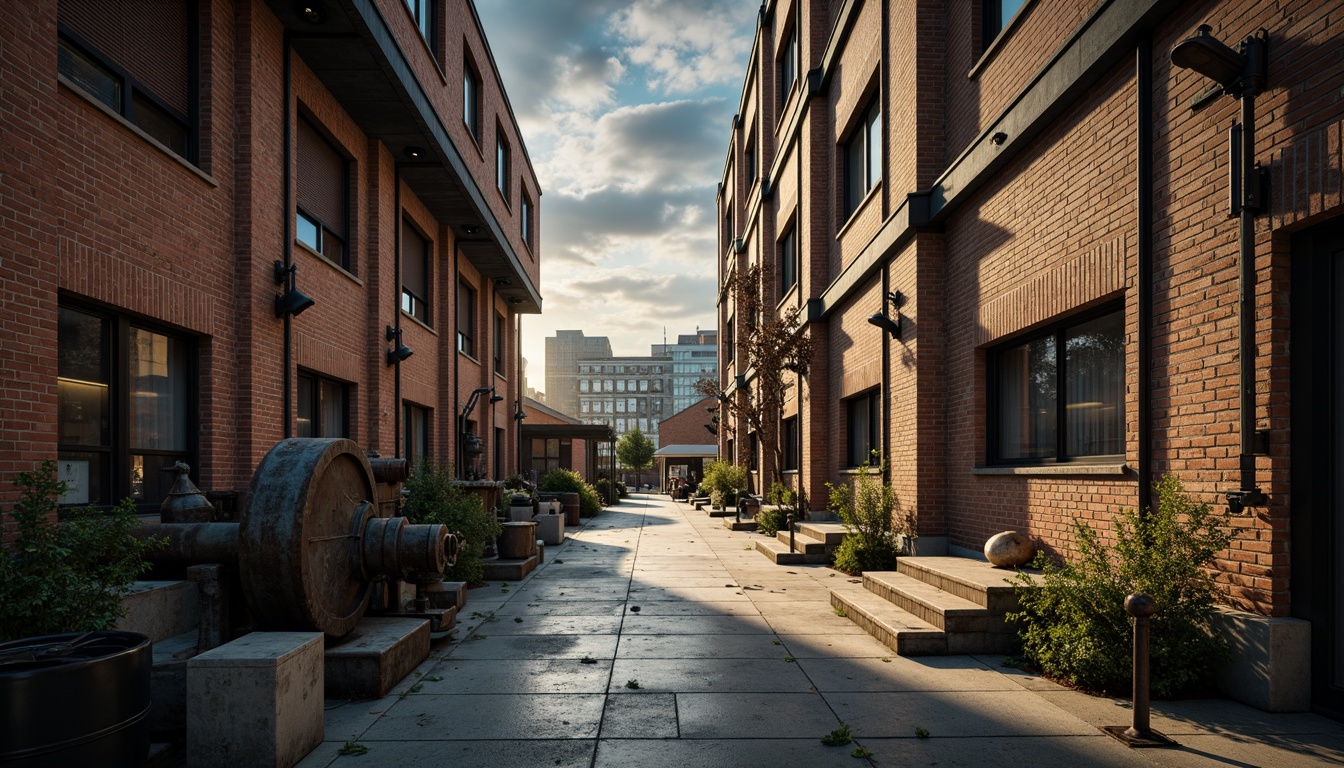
[{"x": 316, "y": 536}]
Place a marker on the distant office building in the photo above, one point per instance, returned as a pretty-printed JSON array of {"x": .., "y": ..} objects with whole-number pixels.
[
  {"x": 564, "y": 350},
  {"x": 625, "y": 392},
  {"x": 694, "y": 357}
]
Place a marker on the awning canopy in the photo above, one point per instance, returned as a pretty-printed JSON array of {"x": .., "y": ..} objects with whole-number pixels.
[{"x": 684, "y": 451}]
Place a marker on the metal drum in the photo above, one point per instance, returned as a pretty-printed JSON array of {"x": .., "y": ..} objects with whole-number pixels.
[
  {"x": 518, "y": 541},
  {"x": 569, "y": 501}
]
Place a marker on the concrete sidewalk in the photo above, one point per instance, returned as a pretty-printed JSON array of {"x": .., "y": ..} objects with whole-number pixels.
[{"x": 655, "y": 637}]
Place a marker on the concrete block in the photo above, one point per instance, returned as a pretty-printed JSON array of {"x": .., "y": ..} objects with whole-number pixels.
[
  {"x": 1270, "y": 666},
  {"x": 500, "y": 569},
  {"x": 256, "y": 701},
  {"x": 551, "y": 529},
  {"x": 375, "y": 657},
  {"x": 168, "y": 684},
  {"x": 161, "y": 609}
]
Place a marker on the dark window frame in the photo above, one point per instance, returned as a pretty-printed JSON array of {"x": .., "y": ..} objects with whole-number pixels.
[
  {"x": 992, "y": 21},
  {"x": 118, "y": 452},
  {"x": 325, "y": 231},
  {"x": 425, "y": 14},
  {"x": 525, "y": 216},
  {"x": 790, "y": 443},
  {"x": 499, "y": 345},
  {"x": 787, "y": 64},
  {"x": 412, "y": 303},
  {"x": 872, "y": 401},
  {"x": 787, "y": 251},
  {"x": 862, "y": 135},
  {"x": 503, "y": 166},
  {"x": 417, "y": 434},
  {"x": 131, "y": 87},
  {"x": 317, "y": 395},
  {"x": 1056, "y": 331},
  {"x": 466, "y": 309},
  {"x": 471, "y": 98}
]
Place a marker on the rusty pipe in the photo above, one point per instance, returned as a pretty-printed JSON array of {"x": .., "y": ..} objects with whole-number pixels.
[{"x": 191, "y": 543}]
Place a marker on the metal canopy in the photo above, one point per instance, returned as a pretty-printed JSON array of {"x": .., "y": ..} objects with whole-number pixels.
[{"x": 353, "y": 52}]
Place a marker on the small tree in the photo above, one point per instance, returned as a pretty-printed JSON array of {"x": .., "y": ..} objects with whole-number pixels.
[
  {"x": 635, "y": 451},
  {"x": 773, "y": 348}
]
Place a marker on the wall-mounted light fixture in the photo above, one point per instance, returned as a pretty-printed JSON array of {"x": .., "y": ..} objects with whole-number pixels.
[
  {"x": 292, "y": 301},
  {"x": 883, "y": 320},
  {"x": 401, "y": 352},
  {"x": 413, "y": 153},
  {"x": 311, "y": 11}
]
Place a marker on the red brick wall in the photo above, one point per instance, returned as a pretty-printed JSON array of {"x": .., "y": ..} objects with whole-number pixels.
[{"x": 687, "y": 427}]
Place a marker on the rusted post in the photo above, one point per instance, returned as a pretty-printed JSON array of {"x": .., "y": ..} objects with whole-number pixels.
[
  {"x": 790, "y": 523},
  {"x": 1140, "y": 734}
]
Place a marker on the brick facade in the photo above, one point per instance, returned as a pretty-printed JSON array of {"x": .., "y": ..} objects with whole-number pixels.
[
  {"x": 687, "y": 427},
  {"x": 98, "y": 217}
]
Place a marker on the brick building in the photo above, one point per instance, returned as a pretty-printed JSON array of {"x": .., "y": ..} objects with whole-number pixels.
[
  {"x": 1009, "y": 227},
  {"x": 165, "y": 219}
]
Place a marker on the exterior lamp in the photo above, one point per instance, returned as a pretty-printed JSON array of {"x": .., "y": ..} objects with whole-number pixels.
[
  {"x": 402, "y": 351},
  {"x": 883, "y": 321},
  {"x": 292, "y": 301}
]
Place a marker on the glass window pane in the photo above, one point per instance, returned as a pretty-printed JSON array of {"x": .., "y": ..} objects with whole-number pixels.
[
  {"x": 85, "y": 476},
  {"x": 333, "y": 409},
  {"x": 1027, "y": 400},
  {"x": 307, "y": 406},
  {"x": 150, "y": 484},
  {"x": 158, "y": 369},
  {"x": 854, "y": 168},
  {"x": 83, "y": 378},
  {"x": 1094, "y": 387},
  {"x": 92, "y": 77},
  {"x": 306, "y": 231},
  {"x": 874, "y": 145}
]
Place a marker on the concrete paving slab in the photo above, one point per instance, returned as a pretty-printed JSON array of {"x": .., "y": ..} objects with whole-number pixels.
[
  {"x": 470, "y": 676},
  {"x": 719, "y": 753},
  {"x": 554, "y": 625},
  {"x": 535, "y": 647},
  {"x": 574, "y": 590},
  {"x": 1096, "y": 751},
  {"x": 692, "y": 647},
  {"x": 639, "y": 715},
  {"x": 711, "y": 675},
  {"x": 897, "y": 673},
  {"x": 694, "y": 594},
  {"x": 691, "y": 608},
  {"x": 527, "y": 607},
  {"x": 639, "y": 624},
  {"x": 472, "y": 754},
  {"x": 822, "y": 646},
  {"x": 955, "y": 714},
  {"x": 802, "y": 623},
  {"x": 489, "y": 716},
  {"x": 753, "y": 715}
]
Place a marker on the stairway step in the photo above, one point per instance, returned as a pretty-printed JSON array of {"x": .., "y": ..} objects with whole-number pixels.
[
  {"x": 831, "y": 533},
  {"x": 936, "y": 606},
  {"x": 779, "y": 553},
  {"x": 974, "y": 580},
  {"x": 802, "y": 543},
  {"x": 899, "y": 630}
]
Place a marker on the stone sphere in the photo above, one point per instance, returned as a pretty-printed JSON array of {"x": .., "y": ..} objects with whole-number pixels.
[{"x": 1009, "y": 548}]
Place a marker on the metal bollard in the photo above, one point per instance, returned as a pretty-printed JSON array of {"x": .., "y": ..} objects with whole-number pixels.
[
  {"x": 1139, "y": 734},
  {"x": 790, "y": 522}
]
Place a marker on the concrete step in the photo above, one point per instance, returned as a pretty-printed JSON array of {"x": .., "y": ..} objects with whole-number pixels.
[
  {"x": 974, "y": 580},
  {"x": 722, "y": 511},
  {"x": 375, "y": 657},
  {"x": 970, "y": 628},
  {"x": 733, "y": 524},
  {"x": 830, "y": 533},
  {"x": 779, "y": 553},
  {"x": 899, "y": 630},
  {"x": 803, "y": 543}
]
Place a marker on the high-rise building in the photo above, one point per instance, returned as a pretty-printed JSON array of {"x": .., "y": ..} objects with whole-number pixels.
[
  {"x": 564, "y": 350},
  {"x": 695, "y": 356},
  {"x": 626, "y": 392}
]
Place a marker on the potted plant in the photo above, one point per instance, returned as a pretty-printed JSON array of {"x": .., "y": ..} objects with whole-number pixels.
[{"x": 76, "y": 691}]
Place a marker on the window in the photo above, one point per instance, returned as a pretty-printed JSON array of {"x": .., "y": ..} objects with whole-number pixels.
[
  {"x": 789, "y": 443},
  {"x": 415, "y": 271},
  {"x": 466, "y": 319},
  {"x": 415, "y": 436},
  {"x": 101, "y": 50},
  {"x": 500, "y": 342},
  {"x": 323, "y": 193},
  {"x": 788, "y": 261},
  {"x": 423, "y": 13},
  {"x": 788, "y": 64},
  {"x": 1060, "y": 394},
  {"x": 996, "y": 14},
  {"x": 583, "y": 385},
  {"x": 126, "y": 408},
  {"x": 753, "y": 460},
  {"x": 324, "y": 407},
  {"x": 471, "y": 99},
  {"x": 862, "y": 418},
  {"x": 863, "y": 157},
  {"x": 753, "y": 172},
  {"x": 499, "y": 452},
  {"x": 728, "y": 341},
  {"x": 527, "y": 221},
  {"x": 727, "y": 230},
  {"x": 502, "y": 163}
]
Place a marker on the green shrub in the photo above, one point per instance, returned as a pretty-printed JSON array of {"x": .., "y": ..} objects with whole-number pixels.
[
  {"x": 867, "y": 510},
  {"x": 1074, "y": 627},
  {"x": 607, "y": 491},
  {"x": 569, "y": 481},
  {"x": 622, "y": 489},
  {"x": 770, "y": 519},
  {"x": 68, "y": 576},
  {"x": 433, "y": 497},
  {"x": 723, "y": 476}
]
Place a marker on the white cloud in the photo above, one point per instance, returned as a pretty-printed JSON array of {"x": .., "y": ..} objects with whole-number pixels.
[{"x": 683, "y": 43}]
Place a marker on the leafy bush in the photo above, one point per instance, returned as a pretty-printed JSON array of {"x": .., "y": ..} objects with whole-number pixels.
[
  {"x": 1075, "y": 627},
  {"x": 68, "y": 576},
  {"x": 433, "y": 497},
  {"x": 569, "y": 481},
  {"x": 607, "y": 491},
  {"x": 770, "y": 519},
  {"x": 723, "y": 476},
  {"x": 622, "y": 489},
  {"x": 867, "y": 510}
]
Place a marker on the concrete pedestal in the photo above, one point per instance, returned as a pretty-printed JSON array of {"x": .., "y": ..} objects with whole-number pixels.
[
  {"x": 256, "y": 701},
  {"x": 375, "y": 657},
  {"x": 551, "y": 529}
]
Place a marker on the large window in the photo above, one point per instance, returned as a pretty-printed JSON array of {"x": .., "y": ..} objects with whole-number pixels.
[
  {"x": 471, "y": 99},
  {"x": 423, "y": 13},
  {"x": 415, "y": 273},
  {"x": 1059, "y": 395},
  {"x": 500, "y": 344},
  {"x": 466, "y": 318},
  {"x": 324, "y": 407},
  {"x": 125, "y": 397},
  {"x": 788, "y": 64},
  {"x": 789, "y": 443},
  {"x": 788, "y": 261},
  {"x": 415, "y": 434},
  {"x": 996, "y": 14},
  {"x": 323, "y": 196},
  {"x": 101, "y": 50},
  {"x": 526, "y": 222},
  {"x": 502, "y": 164},
  {"x": 863, "y": 156},
  {"x": 863, "y": 418}
]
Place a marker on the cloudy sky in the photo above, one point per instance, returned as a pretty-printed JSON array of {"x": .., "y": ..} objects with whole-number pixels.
[{"x": 626, "y": 108}]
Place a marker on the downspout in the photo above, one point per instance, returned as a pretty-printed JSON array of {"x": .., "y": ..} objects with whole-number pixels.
[
  {"x": 1249, "y": 494},
  {"x": 1144, "y": 141},
  {"x": 288, "y": 215},
  {"x": 886, "y": 389},
  {"x": 457, "y": 366},
  {"x": 396, "y": 309}
]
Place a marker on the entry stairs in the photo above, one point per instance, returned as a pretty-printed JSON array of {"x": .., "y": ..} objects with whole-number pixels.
[
  {"x": 813, "y": 542},
  {"x": 931, "y": 606}
]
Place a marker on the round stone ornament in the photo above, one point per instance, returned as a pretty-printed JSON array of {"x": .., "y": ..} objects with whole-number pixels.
[{"x": 1009, "y": 548}]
